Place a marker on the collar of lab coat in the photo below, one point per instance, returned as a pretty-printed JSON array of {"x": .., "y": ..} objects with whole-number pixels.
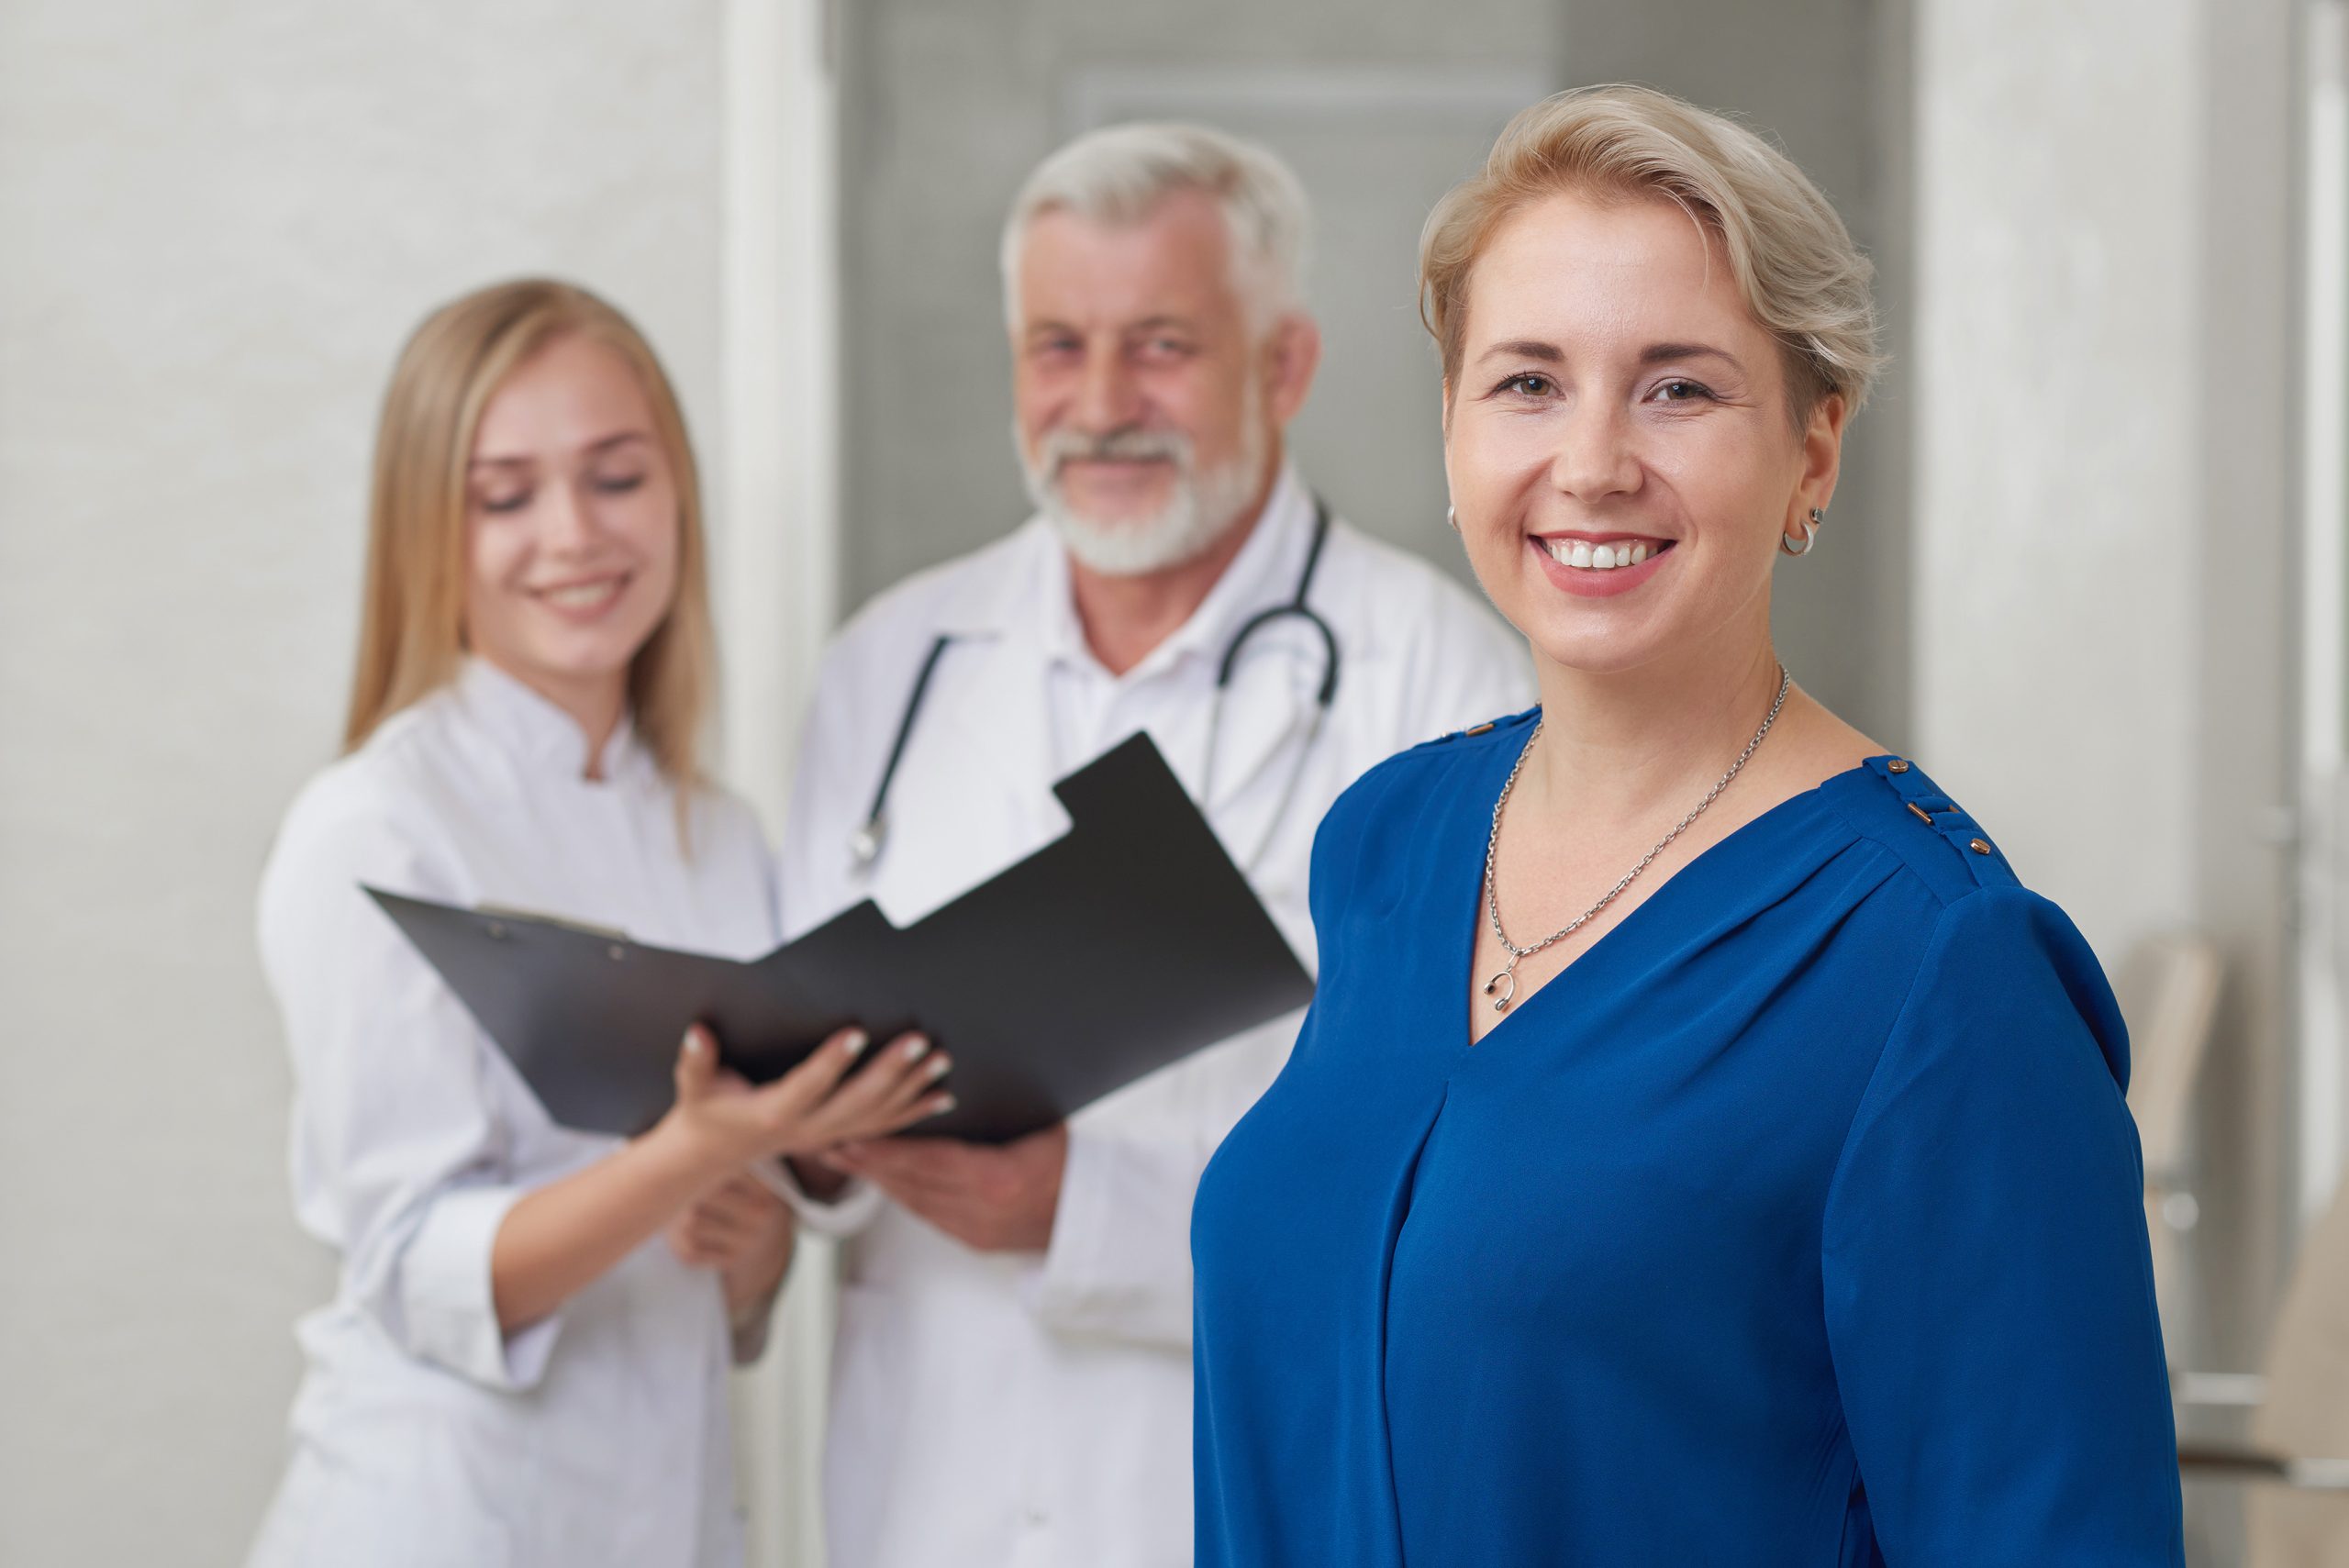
[{"x": 537, "y": 733}]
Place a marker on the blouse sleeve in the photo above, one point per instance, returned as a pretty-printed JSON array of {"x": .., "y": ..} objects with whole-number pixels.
[
  {"x": 399, "y": 1160},
  {"x": 1989, "y": 1293}
]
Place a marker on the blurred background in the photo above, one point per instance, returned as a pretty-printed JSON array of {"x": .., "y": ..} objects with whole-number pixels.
[{"x": 2087, "y": 561}]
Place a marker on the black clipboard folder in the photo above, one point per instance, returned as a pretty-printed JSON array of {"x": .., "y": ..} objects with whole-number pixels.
[{"x": 1119, "y": 947}]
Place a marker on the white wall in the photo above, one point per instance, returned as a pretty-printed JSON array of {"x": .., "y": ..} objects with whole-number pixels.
[
  {"x": 216, "y": 227},
  {"x": 2104, "y": 589},
  {"x": 2056, "y": 458}
]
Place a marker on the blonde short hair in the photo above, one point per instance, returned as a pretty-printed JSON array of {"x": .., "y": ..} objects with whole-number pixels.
[
  {"x": 412, "y": 633},
  {"x": 1119, "y": 174},
  {"x": 1803, "y": 279}
]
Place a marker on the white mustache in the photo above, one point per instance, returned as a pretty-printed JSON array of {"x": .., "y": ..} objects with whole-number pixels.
[{"x": 1060, "y": 448}]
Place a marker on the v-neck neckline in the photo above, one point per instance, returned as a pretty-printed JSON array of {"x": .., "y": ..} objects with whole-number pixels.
[{"x": 1465, "y": 960}]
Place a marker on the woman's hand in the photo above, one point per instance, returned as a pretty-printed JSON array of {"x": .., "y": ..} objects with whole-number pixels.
[
  {"x": 561, "y": 1238},
  {"x": 746, "y": 1233},
  {"x": 730, "y": 1124}
]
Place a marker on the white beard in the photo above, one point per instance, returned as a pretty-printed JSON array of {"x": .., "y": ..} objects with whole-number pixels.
[{"x": 1202, "y": 506}]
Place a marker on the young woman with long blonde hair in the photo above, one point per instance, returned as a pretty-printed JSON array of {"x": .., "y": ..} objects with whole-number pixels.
[{"x": 515, "y": 1368}]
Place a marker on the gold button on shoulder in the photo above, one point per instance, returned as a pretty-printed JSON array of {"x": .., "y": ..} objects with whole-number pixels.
[
  {"x": 1485, "y": 728},
  {"x": 1980, "y": 846},
  {"x": 1922, "y": 815},
  {"x": 1896, "y": 766}
]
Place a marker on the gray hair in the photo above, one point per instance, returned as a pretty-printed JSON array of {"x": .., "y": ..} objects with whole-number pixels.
[{"x": 1119, "y": 174}]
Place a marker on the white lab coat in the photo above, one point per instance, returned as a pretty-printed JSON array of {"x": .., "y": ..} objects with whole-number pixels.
[
  {"x": 996, "y": 1410},
  {"x": 422, "y": 1436}
]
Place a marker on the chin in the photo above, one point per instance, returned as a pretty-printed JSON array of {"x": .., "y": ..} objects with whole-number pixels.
[
  {"x": 1596, "y": 641},
  {"x": 1587, "y": 656},
  {"x": 572, "y": 655}
]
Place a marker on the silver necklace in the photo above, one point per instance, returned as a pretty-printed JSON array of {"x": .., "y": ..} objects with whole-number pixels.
[{"x": 1502, "y": 987}]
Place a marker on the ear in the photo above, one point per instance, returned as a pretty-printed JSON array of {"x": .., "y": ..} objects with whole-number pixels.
[
  {"x": 1293, "y": 353},
  {"x": 1822, "y": 458}
]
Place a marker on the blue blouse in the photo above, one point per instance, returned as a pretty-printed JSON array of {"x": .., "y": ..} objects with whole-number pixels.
[{"x": 1798, "y": 1222}]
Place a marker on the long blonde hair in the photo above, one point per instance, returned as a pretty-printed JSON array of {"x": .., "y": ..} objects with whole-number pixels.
[{"x": 411, "y": 636}]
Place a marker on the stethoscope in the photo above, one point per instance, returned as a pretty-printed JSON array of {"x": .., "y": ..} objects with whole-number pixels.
[{"x": 866, "y": 843}]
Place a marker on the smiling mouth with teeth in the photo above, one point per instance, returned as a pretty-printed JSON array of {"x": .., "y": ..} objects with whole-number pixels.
[
  {"x": 1602, "y": 557},
  {"x": 584, "y": 595}
]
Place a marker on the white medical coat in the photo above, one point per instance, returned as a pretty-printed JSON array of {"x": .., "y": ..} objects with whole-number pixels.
[
  {"x": 990, "y": 1411},
  {"x": 422, "y": 1435}
]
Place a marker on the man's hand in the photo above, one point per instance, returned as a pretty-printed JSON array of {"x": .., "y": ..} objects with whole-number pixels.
[{"x": 990, "y": 1199}]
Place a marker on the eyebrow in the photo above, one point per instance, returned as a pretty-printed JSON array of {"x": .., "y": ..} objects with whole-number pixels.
[
  {"x": 604, "y": 444},
  {"x": 1653, "y": 354},
  {"x": 1658, "y": 354},
  {"x": 1526, "y": 349},
  {"x": 1148, "y": 324}
]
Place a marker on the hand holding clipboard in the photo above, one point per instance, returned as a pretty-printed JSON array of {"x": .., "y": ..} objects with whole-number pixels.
[{"x": 1117, "y": 949}]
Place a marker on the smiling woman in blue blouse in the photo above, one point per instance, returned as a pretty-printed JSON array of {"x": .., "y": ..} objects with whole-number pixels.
[{"x": 1702, "y": 1150}]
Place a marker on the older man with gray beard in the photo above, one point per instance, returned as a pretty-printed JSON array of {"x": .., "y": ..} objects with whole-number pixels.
[{"x": 1012, "y": 1380}]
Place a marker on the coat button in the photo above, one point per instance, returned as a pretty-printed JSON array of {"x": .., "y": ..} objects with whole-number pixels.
[
  {"x": 1980, "y": 846},
  {"x": 1896, "y": 766}
]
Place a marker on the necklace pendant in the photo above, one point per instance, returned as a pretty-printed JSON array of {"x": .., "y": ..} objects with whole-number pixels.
[{"x": 1505, "y": 985}]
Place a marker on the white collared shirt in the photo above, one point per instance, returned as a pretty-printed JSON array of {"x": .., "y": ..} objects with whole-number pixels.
[
  {"x": 422, "y": 1433},
  {"x": 1024, "y": 1411}
]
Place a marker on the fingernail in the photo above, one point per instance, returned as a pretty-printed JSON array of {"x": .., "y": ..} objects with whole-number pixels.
[
  {"x": 855, "y": 1044},
  {"x": 696, "y": 1041},
  {"x": 939, "y": 1068},
  {"x": 945, "y": 1103},
  {"x": 916, "y": 1048}
]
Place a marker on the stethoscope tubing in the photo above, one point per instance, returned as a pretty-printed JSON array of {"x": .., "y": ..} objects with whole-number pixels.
[
  {"x": 871, "y": 835},
  {"x": 871, "y": 838}
]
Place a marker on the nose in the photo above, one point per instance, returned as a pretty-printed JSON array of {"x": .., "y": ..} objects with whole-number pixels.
[
  {"x": 1597, "y": 456},
  {"x": 567, "y": 525},
  {"x": 1109, "y": 396}
]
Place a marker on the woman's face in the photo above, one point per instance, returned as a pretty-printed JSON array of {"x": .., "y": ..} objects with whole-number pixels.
[
  {"x": 571, "y": 524},
  {"x": 1615, "y": 401}
]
